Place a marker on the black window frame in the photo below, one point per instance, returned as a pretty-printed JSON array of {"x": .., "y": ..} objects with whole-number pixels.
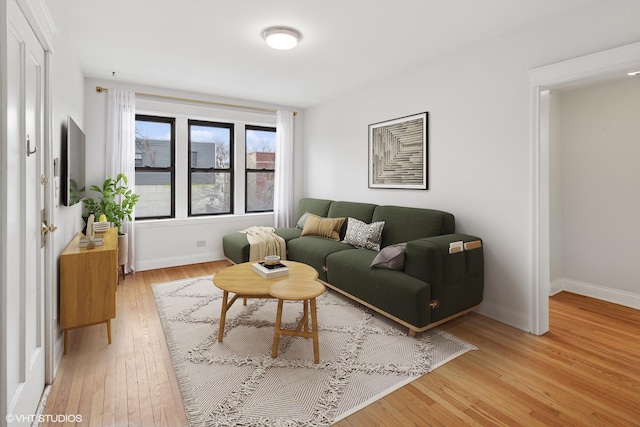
[
  {"x": 248, "y": 171},
  {"x": 214, "y": 170},
  {"x": 171, "y": 168}
]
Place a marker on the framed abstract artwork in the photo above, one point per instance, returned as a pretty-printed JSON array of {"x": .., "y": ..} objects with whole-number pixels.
[{"x": 398, "y": 153}]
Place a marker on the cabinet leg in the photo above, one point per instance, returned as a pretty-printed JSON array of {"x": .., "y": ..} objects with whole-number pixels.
[
  {"x": 109, "y": 330},
  {"x": 121, "y": 272}
]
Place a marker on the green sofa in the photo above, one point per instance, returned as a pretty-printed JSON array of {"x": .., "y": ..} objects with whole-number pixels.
[{"x": 434, "y": 285}]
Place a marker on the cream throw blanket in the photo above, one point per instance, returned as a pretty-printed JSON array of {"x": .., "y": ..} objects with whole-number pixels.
[{"x": 264, "y": 241}]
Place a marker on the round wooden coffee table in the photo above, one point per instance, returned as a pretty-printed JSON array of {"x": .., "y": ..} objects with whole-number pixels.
[
  {"x": 307, "y": 291},
  {"x": 241, "y": 280}
]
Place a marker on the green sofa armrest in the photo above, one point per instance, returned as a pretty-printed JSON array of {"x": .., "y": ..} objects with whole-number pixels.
[
  {"x": 236, "y": 247},
  {"x": 457, "y": 280}
]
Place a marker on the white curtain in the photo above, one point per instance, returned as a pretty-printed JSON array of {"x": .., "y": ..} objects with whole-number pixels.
[
  {"x": 120, "y": 155},
  {"x": 283, "y": 185}
]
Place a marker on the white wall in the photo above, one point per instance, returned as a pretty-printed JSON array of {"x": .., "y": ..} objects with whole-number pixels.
[
  {"x": 67, "y": 93},
  {"x": 600, "y": 139},
  {"x": 479, "y": 140},
  {"x": 172, "y": 242}
]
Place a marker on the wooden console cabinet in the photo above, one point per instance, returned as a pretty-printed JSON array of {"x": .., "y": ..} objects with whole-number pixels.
[{"x": 88, "y": 281}]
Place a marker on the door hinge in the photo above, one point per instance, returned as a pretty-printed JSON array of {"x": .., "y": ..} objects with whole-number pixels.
[{"x": 44, "y": 180}]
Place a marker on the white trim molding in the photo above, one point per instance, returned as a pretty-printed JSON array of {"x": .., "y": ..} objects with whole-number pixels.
[
  {"x": 604, "y": 293},
  {"x": 502, "y": 314},
  {"x": 39, "y": 17},
  {"x": 597, "y": 66},
  {"x": 176, "y": 261},
  {"x": 557, "y": 286},
  {"x": 588, "y": 68}
]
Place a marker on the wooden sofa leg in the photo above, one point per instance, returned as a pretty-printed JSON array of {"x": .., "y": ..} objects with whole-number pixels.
[{"x": 412, "y": 332}]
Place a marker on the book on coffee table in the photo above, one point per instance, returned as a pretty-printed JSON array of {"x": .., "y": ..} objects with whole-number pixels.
[{"x": 269, "y": 271}]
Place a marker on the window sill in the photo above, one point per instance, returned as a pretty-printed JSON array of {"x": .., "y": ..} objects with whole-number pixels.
[{"x": 202, "y": 220}]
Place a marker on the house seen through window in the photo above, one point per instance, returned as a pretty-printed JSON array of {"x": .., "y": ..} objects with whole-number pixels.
[
  {"x": 211, "y": 168},
  {"x": 260, "y": 168},
  {"x": 154, "y": 161}
]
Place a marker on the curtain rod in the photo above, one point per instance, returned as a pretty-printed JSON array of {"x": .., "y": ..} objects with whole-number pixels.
[{"x": 177, "y": 98}]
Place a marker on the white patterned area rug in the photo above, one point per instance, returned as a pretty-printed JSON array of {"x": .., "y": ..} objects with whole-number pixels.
[{"x": 363, "y": 356}]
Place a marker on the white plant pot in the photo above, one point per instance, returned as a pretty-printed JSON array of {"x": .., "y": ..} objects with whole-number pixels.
[{"x": 123, "y": 249}]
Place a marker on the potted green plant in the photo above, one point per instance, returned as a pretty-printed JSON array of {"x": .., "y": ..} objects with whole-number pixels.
[{"x": 116, "y": 202}]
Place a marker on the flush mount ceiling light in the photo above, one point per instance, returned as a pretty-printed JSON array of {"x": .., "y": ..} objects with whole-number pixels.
[{"x": 281, "y": 37}]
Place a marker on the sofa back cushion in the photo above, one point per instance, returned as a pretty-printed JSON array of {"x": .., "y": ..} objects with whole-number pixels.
[
  {"x": 404, "y": 224},
  {"x": 318, "y": 207},
  {"x": 361, "y": 211}
]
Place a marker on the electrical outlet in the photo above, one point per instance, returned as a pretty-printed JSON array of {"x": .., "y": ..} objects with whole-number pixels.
[{"x": 201, "y": 243}]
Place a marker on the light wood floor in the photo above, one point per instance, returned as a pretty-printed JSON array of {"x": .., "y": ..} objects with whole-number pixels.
[{"x": 585, "y": 371}]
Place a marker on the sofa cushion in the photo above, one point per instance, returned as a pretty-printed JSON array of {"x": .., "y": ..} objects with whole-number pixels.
[
  {"x": 236, "y": 247},
  {"x": 329, "y": 228},
  {"x": 288, "y": 233},
  {"x": 363, "y": 235},
  {"x": 302, "y": 221},
  {"x": 318, "y": 207},
  {"x": 395, "y": 292},
  {"x": 405, "y": 224},
  {"x": 314, "y": 251},
  {"x": 361, "y": 211},
  {"x": 391, "y": 257}
]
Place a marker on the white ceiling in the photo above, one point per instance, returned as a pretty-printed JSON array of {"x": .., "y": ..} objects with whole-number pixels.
[{"x": 216, "y": 47}]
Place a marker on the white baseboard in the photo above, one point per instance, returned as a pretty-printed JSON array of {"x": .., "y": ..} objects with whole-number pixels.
[
  {"x": 177, "y": 261},
  {"x": 505, "y": 315},
  {"x": 556, "y": 287},
  {"x": 615, "y": 296}
]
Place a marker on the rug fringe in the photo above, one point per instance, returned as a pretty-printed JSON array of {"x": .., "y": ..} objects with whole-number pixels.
[{"x": 191, "y": 407}]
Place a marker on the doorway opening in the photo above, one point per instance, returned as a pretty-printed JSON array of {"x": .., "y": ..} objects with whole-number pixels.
[{"x": 601, "y": 66}]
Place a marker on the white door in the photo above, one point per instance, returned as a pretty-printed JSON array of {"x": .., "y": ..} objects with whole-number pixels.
[{"x": 23, "y": 346}]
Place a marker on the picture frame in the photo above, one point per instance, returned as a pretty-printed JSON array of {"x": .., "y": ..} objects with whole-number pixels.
[{"x": 398, "y": 153}]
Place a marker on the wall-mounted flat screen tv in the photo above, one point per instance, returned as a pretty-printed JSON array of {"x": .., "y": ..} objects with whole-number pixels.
[{"x": 73, "y": 163}]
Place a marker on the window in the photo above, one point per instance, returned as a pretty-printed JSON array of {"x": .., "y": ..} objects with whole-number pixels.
[
  {"x": 188, "y": 166},
  {"x": 260, "y": 168},
  {"x": 211, "y": 168},
  {"x": 154, "y": 160}
]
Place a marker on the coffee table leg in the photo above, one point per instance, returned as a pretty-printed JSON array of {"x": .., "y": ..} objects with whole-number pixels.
[
  {"x": 306, "y": 315},
  {"x": 223, "y": 315},
  {"x": 276, "y": 332},
  {"x": 314, "y": 327}
]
